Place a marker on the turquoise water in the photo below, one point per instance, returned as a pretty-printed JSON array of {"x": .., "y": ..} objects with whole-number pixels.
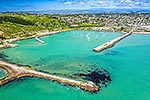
[
  {"x": 70, "y": 52},
  {"x": 2, "y": 73}
]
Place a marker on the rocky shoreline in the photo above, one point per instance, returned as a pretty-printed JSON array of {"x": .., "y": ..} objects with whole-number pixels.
[{"x": 15, "y": 72}]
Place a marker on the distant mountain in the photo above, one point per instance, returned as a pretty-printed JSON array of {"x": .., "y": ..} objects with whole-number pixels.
[{"x": 96, "y": 10}]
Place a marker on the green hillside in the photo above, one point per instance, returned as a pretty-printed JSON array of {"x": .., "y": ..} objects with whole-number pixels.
[{"x": 14, "y": 25}]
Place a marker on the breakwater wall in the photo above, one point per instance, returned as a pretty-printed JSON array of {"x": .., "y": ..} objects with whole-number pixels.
[
  {"x": 42, "y": 42},
  {"x": 110, "y": 43},
  {"x": 14, "y": 72}
]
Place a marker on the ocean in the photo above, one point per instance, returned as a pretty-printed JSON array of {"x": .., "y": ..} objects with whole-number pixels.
[{"x": 70, "y": 54}]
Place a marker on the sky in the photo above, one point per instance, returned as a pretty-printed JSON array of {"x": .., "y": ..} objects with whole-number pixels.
[
  {"x": 37, "y": 5},
  {"x": 108, "y": 3}
]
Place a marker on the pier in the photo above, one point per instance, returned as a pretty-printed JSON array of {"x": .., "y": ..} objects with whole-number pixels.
[
  {"x": 111, "y": 43},
  {"x": 42, "y": 42},
  {"x": 14, "y": 72},
  {"x": 116, "y": 40}
]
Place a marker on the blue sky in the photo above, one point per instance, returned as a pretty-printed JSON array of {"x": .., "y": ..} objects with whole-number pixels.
[{"x": 36, "y": 5}]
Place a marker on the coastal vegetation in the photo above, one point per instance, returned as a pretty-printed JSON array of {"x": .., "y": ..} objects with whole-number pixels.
[
  {"x": 15, "y": 25},
  {"x": 18, "y": 25}
]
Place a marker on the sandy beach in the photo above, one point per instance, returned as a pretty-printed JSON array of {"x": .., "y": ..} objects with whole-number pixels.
[{"x": 39, "y": 34}]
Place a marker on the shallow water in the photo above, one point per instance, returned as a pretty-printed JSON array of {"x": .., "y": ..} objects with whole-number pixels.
[
  {"x": 71, "y": 52},
  {"x": 2, "y": 73}
]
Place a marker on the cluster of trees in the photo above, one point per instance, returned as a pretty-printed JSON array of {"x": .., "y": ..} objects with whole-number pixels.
[
  {"x": 14, "y": 19},
  {"x": 22, "y": 24}
]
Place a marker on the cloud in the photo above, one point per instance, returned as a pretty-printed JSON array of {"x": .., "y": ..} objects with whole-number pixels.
[
  {"x": 122, "y": 1},
  {"x": 68, "y": 3},
  {"x": 128, "y": 1},
  {"x": 101, "y": 2},
  {"x": 137, "y": 3},
  {"x": 82, "y": 3},
  {"x": 107, "y": 3}
]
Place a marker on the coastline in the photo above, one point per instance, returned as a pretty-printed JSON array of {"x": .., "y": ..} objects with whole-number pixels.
[
  {"x": 39, "y": 34},
  {"x": 46, "y": 32},
  {"x": 141, "y": 33}
]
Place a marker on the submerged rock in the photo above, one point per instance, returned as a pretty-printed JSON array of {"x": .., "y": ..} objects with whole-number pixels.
[
  {"x": 99, "y": 77},
  {"x": 111, "y": 52},
  {"x": 3, "y": 56}
]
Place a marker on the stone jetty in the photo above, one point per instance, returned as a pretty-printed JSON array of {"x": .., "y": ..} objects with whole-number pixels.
[
  {"x": 42, "y": 42},
  {"x": 116, "y": 40},
  {"x": 110, "y": 43},
  {"x": 14, "y": 72}
]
